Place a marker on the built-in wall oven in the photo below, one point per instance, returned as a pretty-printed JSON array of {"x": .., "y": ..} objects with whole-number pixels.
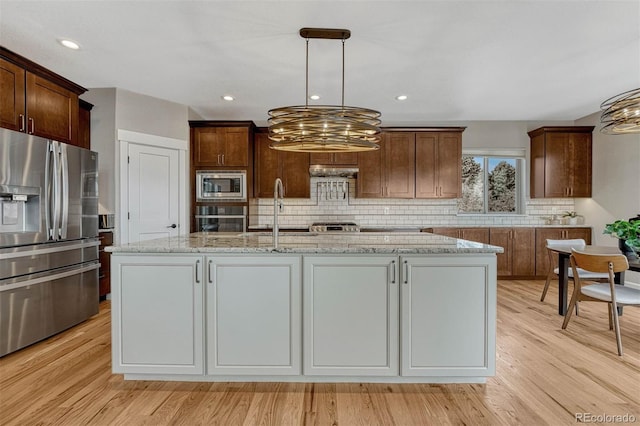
[
  {"x": 221, "y": 218},
  {"x": 221, "y": 186}
]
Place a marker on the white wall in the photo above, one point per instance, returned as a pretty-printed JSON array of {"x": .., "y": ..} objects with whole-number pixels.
[
  {"x": 117, "y": 109},
  {"x": 103, "y": 136},
  {"x": 146, "y": 114},
  {"x": 616, "y": 182}
]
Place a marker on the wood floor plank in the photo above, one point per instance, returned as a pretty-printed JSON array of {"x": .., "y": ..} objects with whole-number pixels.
[{"x": 545, "y": 376}]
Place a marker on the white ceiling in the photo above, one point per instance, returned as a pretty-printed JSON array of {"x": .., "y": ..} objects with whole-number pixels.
[{"x": 456, "y": 60}]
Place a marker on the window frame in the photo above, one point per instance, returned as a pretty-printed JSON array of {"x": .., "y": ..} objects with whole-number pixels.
[{"x": 520, "y": 158}]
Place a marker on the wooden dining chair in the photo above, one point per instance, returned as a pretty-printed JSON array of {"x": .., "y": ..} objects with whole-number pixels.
[
  {"x": 613, "y": 294},
  {"x": 555, "y": 271}
]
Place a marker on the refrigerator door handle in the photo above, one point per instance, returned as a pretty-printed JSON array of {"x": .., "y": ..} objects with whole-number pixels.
[
  {"x": 48, "y": 174},
  {"x": 56, "y": 190},
  {"x": 64, "y": 191}
]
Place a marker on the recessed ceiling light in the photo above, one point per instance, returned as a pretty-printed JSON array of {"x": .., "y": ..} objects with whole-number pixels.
[
  {"x": 228, "y": 98},
  {"x": 69, "y": 43},
  {"x": 314, "y": 97},
  {"x": 401, "y": 97}
]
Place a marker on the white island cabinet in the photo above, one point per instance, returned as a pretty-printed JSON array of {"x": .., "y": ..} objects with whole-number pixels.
[
  {"x": 157, "y": 317},
  {"x": 351, "y": 315},
  {"x": 401, "y": 308},
  {"x": 448, "y": 316},
  {"x": 253, "y": 315}
]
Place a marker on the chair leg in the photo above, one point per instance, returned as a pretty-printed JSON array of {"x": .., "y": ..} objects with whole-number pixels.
[
  {"x": 610, "y": 316},
  {"x": 546, "y": 287},
  {"x": 572, "y": 305},
  {"x": 616, "y": 326},
  {"x": 577, "y": 313}
]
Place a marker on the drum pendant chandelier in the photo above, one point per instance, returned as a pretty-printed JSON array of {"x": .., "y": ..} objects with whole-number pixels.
[
  {"x": 621, "y": 113},
  {"x": 324, "y": 128}
]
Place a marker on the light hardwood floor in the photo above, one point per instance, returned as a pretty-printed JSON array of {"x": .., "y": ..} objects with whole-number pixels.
[{"x": 544, "y": 376}]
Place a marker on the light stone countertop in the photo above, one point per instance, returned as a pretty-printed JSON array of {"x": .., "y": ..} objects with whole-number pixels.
[{"x": 308, "y": 242}]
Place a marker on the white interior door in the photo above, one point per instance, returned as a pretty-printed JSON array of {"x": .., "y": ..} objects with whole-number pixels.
[{"x": 153, "y": 189}]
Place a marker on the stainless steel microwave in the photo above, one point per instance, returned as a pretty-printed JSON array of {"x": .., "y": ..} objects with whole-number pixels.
[{"x": 227, "y": 185}]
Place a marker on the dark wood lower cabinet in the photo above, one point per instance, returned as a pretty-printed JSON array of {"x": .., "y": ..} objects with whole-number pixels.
[
  {"x": 479, "y": 235},
  {"x": 525, "y": 253},
  {"x": 543, "y": 234},
  {"x": 518, "y": 259},
  {"x": 104, "y": 275}
]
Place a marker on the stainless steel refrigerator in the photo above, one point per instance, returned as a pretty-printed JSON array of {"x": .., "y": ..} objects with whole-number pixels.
[{"x": 48, "y": 238}]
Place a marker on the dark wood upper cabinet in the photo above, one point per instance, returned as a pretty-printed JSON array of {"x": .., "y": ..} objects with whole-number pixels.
[
  {"x": 291, "y": 167},
  {"x": 425, "y": 163},
  {"x": 84, "y": 124},
  {"x": 370, "y": 182},
  {"x": 561, "y": 162},
  {"x": 221, "y": 144},
  {"x": 12, "y": 96},
  {"x": 334, "y": 159},
  {"x": 37, "y": 101},
  {"x": 439, "y": 165},
  {"x": 399, "y": 153}
]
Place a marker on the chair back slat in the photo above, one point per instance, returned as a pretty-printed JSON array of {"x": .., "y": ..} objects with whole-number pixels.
[
  {"x": 573, "y": 242},
  {"x": 600, "y": 262}
]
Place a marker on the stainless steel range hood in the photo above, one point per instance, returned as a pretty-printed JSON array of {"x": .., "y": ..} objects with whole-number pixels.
[{"x": 332, "y": 171}]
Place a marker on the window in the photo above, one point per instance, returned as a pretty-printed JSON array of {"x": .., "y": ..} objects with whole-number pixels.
[{"x": 491, "y": 184}]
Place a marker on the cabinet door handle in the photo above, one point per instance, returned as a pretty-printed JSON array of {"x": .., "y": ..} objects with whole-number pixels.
[
  {"x": 198, "y": 271},
  {"x": 393, "y": 272},
  {"x": 223, "y": 159},
  {"x": 406, "y": 272},
  {"x": 209, "y": 273},
  {"x": 22, "y": 123},
  {"x": 32, "y": 124}
]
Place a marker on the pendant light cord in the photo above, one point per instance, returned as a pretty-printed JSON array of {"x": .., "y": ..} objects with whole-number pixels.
[
  {"x": 306, "y": 83},
  {"x": 343, "y": 73}
]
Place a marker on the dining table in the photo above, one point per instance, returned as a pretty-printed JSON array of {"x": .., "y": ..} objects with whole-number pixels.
[{"x": 564, "y": 253}]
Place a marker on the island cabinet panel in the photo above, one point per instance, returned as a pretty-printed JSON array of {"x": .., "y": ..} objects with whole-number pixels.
[
  {"x": 291, "y": 167},
  {"x": 544, "y": 234},
  {"x": 448, "y": 316},
  {"x": 561, "y": 162},
  {"x": 157, "y": 320},
  {"x": 254, "y": 315},
  {"x": 518, "y": 258},
  {"x": 351, "y": 315}
]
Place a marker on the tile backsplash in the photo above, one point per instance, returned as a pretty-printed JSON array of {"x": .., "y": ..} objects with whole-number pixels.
[{"x": 333, "y": 200}]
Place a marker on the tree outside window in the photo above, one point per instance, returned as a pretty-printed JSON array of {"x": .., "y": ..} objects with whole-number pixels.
[{"x": 489, "y": 184}]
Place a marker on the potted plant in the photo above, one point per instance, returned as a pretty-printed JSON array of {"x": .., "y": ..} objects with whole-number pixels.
[
  {"x": 572, "y": 217},
  {"x": 627, "y": 232}
]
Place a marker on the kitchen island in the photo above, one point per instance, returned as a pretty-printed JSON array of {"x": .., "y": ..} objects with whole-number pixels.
[{"x": 376, "y": 307}]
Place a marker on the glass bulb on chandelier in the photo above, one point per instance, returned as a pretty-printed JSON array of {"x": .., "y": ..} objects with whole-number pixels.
[{"x": 324, "y": 128}]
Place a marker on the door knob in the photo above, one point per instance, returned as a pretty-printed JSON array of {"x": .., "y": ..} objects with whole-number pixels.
[{"x": 173, "y": 225}]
